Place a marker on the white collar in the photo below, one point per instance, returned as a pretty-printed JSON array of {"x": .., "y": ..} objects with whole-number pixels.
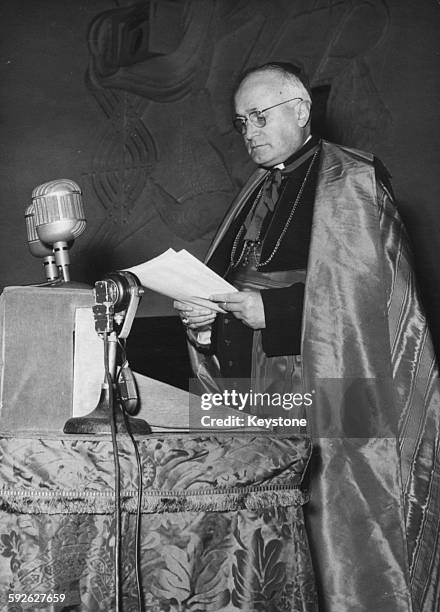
[{"x": 281, "y": 166}]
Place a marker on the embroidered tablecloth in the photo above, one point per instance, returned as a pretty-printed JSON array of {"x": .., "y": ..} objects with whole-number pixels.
[{"x": 221, "y": 527}]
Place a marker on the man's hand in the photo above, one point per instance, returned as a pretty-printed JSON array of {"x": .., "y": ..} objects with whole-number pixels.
[
  {"x": 195, "y": 317},
  {"x": 244, "y": 305}
]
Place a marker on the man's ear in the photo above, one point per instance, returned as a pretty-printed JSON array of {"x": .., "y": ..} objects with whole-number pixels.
[{"x": 304, "y": 109}]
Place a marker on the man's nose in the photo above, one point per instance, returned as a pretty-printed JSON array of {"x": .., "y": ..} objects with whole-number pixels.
[{"x": 250, "y": 130}]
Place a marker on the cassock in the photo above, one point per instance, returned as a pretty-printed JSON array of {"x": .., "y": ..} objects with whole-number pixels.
[{"x": 366, "y": 354}]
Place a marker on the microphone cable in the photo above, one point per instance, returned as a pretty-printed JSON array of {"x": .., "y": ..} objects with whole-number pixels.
[
  {"x": 139, "y": 487},
  {"x": 117, "y": 505}
]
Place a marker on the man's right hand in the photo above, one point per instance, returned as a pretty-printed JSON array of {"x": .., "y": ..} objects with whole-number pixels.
[{"x": 195, "y": 317}]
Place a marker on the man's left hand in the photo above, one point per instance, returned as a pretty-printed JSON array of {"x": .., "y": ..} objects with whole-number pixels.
[{"x": 244, "y": 305}]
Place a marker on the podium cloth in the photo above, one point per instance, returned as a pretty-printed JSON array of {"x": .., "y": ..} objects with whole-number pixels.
[{"x": 221, "y": 528}]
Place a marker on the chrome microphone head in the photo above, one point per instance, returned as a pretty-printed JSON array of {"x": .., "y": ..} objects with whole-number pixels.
[
  {"x": 59, "y": 218},
  {"x": 36, "y": 247},
  {"x": 58, "y": 211}
]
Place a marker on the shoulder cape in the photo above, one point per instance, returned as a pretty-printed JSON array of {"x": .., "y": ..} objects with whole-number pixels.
[{"x": 367, "y": 355}]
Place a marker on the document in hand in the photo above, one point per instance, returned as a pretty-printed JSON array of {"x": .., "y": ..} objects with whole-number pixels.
[{"x": 181, "y": 276}]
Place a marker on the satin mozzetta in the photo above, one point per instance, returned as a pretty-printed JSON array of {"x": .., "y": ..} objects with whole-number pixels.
[
  {"x": 363, "y": 322},
  {"x": 375, "y": 509}
]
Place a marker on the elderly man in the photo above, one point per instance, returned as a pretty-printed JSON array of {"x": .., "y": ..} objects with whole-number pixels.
[
  {"x": 263, "y": 251},
  {"x": 326, "y": 299}
]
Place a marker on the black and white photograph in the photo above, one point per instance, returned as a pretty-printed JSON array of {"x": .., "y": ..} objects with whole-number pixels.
[{"x": 220, "y": 306}]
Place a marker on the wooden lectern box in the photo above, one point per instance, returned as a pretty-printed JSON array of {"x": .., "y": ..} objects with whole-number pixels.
[{"x": 52, "y": 365}]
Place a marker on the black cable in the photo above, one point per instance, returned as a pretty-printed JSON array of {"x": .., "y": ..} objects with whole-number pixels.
[
  {"x": 139, "y": 491},
  {"x": 138, "y": 514},
  {"x": 112, "y": 409}
]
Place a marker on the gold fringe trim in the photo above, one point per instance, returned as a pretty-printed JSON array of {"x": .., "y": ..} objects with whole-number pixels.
[{"x": 96, "y": 502}]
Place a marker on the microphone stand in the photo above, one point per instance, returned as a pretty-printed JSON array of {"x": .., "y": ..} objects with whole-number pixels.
[
  {"x": 50, "y": 268},
  {"x": 61, "y": 252}
]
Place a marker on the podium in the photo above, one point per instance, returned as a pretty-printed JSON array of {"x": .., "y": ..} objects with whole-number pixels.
[
  {"x": 217, "y": 508},
  {"x": 37, "y": 361},
  {"x": 51, "y": 364}
]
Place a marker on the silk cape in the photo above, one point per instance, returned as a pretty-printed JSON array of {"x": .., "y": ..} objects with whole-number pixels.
[{"x": 374, "y": 514}]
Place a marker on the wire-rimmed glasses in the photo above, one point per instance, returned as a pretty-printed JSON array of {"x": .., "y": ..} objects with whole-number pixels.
[{"x": 257, "y": 117}]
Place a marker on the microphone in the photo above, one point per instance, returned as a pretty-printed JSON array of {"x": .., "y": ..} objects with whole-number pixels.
[
  {"x": 37, "y": 248},
  {"x": 59, "y": 218},
  {"x": 117, "y": 297}
]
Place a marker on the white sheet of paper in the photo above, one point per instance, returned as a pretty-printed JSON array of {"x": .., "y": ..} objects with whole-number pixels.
[{"x": 181, "y": 276}]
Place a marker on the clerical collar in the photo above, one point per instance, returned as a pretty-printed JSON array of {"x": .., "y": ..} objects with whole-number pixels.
[{"x": 308, "y": 145}]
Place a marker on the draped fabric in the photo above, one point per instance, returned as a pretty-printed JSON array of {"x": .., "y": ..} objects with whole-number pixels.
[
  {"x": 221, "y": 528},
  {"x": 374, "y": 515},
  {"x": 363, "y": 322}
]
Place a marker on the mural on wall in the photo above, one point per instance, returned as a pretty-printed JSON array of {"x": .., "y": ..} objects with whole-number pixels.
[
  {"x": 163, "y": 73},
  {"x": 148, "y": 136}
]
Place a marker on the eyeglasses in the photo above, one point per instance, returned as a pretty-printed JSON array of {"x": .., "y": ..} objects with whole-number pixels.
[{"x": 256, "y": 117}]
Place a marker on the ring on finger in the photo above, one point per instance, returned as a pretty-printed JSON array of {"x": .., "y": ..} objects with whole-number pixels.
[
  {"x": 185, "y": 321},
  {"x": 224, "y": 305}
]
